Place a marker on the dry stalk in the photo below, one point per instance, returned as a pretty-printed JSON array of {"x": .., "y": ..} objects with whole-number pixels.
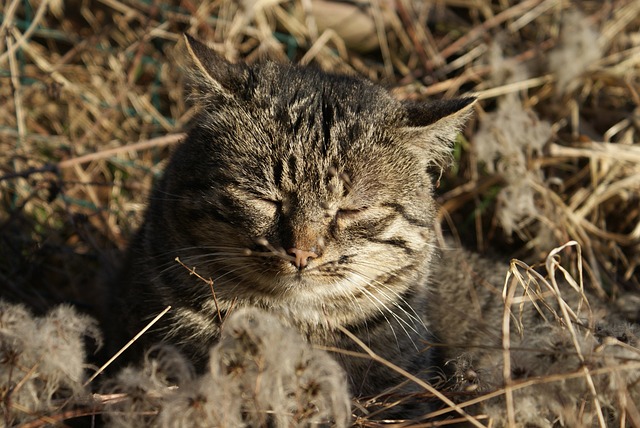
[
  {"x": 82, "y": 86},
  {"x": 127, "y": 345},
  {"x": 371, "y": 354}
]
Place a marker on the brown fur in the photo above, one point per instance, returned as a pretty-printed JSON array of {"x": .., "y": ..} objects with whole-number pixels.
[
  {"x": 309, "y": 195},
  {"x": 302, "y": 193}
]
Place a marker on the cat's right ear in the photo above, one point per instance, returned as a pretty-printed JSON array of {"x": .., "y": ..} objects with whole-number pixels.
[
  {"x": 431, "y": 127},
  {"x": 213, "y": 73}
]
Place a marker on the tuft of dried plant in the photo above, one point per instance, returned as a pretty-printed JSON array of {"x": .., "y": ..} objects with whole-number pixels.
[
  {"x": 559, "y": 356},
  {"x": 580, "y": 46},
  {"x": 42, "y": 361},
  {"x": 261, "y": 373},
  {"x": 505, "y": 140},
  {"x": 282, "y": 379}
]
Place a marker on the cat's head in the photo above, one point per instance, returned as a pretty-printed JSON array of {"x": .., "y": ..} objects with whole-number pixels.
[{"x": 293, "y": 181}]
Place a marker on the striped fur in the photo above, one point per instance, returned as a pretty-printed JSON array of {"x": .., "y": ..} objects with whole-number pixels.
[{"x": 282, "y": 157}]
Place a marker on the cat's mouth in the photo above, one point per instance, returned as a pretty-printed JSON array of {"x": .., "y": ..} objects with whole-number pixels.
[
  {"x": 281, "y": 280},
  {"x": 311, "y": 276}
]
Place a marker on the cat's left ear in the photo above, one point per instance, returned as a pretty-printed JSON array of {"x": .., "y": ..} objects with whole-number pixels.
[
  {"x": 213, "y": 73},
  {"x": 431, "y": 127}
]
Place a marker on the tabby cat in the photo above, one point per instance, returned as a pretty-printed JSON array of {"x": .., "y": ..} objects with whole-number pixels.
[{"x": 303, "y": 193}]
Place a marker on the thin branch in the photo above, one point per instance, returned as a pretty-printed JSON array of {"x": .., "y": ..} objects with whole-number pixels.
[
  {"x": 411, "y": 377},
  {"x": 125, "y": 347}
]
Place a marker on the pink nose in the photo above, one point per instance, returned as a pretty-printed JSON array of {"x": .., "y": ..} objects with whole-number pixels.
[{"x": 301, "y": 257}]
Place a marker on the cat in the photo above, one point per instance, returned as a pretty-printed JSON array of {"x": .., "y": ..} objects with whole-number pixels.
[
  {"x": 303, "y": 193},
  {"x": 309, "y": 195}
]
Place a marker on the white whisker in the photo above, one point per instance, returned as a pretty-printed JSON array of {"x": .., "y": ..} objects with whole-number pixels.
[
  {"x": 376, "y": 302},
  {"x": 404, "y": 324},
  {"x": 415, "y": 315}
]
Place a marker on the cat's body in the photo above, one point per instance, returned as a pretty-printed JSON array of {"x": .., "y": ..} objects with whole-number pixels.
[
  {"x": 302, "y": 193},
  {"x": 308, "y": 195}
]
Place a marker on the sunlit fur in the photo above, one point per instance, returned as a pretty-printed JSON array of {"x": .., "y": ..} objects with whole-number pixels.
[{"x": 283, "y": 157}]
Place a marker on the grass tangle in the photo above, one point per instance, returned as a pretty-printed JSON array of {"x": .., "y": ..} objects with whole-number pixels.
[{"x": 92, "y": 98}]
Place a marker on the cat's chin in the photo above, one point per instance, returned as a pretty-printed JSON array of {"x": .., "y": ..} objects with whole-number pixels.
[
  {"x": 299, "y": 285},
  {"x": 306, "y": 288}
]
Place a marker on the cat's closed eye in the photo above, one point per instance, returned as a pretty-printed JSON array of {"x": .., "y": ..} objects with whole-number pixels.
[
  {"x": 351, "y": 213},
  {"x": 267, "y": 206}
]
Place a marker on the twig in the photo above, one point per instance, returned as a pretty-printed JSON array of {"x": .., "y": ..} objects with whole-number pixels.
[
  {"x": 476, "y": 32},
  {"x": 17, "y": 91},
  {"x": 560, "y": 377},
  {"x": 531, "y": 15},
  {"x": 418, "y": 45},
  {"x": 9, "y": 12},
  {"x": 27, "y": 34},
  {"x": 63, "y": 416},
  {"x": 139, "y": 146},
  {"x": 612, "y": 151},
  {"x": 514, "y": 87},
  {"x": 508, "y": 295},
  {"x": 382, "y": 37},
  {"x": 321, "y": 42},
  {"x": 551, "y": 263},
  {"x": 142, "y": 145},
  {"x": 411, "y": 377},
  {"x": 209, "y": 281},
  {"x": 125, "y": 347}
]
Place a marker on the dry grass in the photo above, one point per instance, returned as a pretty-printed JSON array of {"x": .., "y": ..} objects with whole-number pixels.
[{"x": 92, "y": 98}]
